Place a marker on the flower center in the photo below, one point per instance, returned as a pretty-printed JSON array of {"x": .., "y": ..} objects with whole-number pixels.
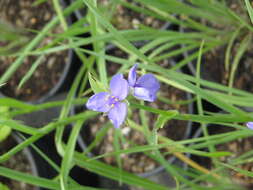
[{"x": 112, "y": 100}]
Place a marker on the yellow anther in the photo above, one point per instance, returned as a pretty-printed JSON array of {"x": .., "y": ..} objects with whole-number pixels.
[{"x": 112, "y": 105}]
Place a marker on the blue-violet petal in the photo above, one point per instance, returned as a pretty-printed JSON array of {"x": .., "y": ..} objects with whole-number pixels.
[
  {"x": 250, "y": 125},
  {"x": 118, "y": 114},
  {"x": 144, "y": 94},
  {"x": 119, "y": 86},
  {"x": 99, "y": 102},
  {"x": 132, "y": 76},
  {"x": 149, "y": 82}
]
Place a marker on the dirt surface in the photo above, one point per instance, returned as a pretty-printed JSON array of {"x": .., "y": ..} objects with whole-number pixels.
[
  {"x": 18, "y": 162},
  {"x": 125, "y": 18},
  {"x": 213, "y": 68},
  {"x": 238, "y": 148},
  {"x": 31, "y": 19},
  {"x": 213, "y": 62}
]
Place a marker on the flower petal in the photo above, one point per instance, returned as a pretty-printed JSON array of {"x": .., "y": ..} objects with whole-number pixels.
[
  {"x": 118, "y": 114},
  {"x": 132, "y": 76},
  {"x": 144, "y": 94},
  {"x": 250, "y": 125},
  {"x": 119, "y": 86},
  {"x": 149, "y": 82},
  {"x": 146, "y": 88},
  {"x": 99, "y": 102}
]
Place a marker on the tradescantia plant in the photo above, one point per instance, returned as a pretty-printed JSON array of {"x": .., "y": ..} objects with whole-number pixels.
[{"x": 196, "y": 16}]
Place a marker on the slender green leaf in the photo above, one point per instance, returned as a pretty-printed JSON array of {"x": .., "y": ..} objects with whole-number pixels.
[
  {"x": 21, "y": 176},
  {"x": 162, "y": 119},
  {"x": 112, "y": 172},
  {"x": 250, "y": 9},
  {"x": 96, "y": 85},
  {"x": 69, "y": 152},
  {"x": 31, "y": 71}
]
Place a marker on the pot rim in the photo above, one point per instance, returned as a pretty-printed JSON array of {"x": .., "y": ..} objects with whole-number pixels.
[
  {"x": 62, "y": 78},
  {"x": 28, "y": 154}
]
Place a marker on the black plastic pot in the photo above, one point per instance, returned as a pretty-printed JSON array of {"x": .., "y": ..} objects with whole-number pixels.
[
  {"x": 158, "y": 175},
  {"x": 64, "y": 80},
  {"x": 27, "y": 154},
  {"x": 47, "y": 145}
]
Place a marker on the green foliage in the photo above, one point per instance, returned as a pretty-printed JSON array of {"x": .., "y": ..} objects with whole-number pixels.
[
  {"x": 163, "y": 119},
  {"x": 11, "y": 39},
  {"x": 250, "y": 10},
  {"x": 208, "y": 24},
  {"x": 3, "y": 187},
  {"x": 96, "y": 85},
  {"x": 4, "y": 129}
]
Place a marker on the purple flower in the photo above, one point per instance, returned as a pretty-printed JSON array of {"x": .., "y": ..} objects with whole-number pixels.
[
  {"x": 145, "y": 87},
  {"x": 111, "y": 103},
  {"x": 250, "y": 125}
]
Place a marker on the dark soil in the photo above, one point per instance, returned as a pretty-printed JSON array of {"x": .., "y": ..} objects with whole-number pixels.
[
  {"x": 239, "y": 8},
  {"x": 237, "y": 148},
  {"x": 213, "y": 68},
  {"x": 18, "y": 162},
  {"x": 23, "y": 15},
  {"x": 213, "y": 62},
  {"x": 111, "y": 67},
  {"x": 125, "y": 18}
]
